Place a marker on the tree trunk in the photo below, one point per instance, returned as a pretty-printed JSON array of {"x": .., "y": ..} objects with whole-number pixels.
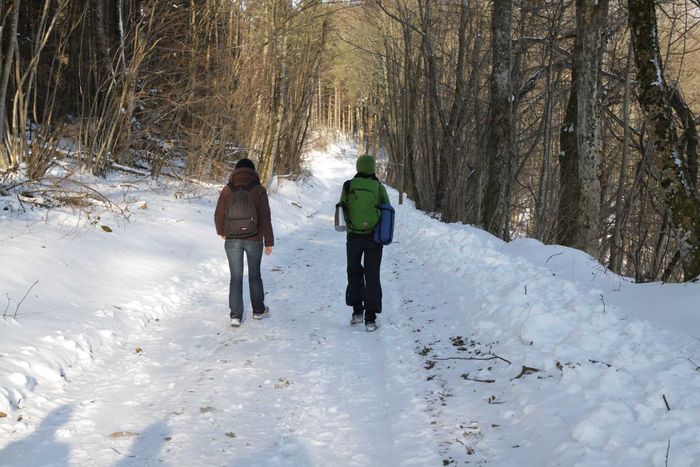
[
  {"x": 616, "y": 244},
  {"x": 579, "y": 213},
  {"x": 654, "y": 98},
  {"x": 499, "y": 146},
  {"x": 8, "y": 57}
]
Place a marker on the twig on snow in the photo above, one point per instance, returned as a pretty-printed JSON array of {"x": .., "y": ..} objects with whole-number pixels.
[
  {"x": 555, "y": 254},
  {"x": 21, "y": 204},
  {"x": 490, "y": 357},
  {"x": 602, "y": 299},
  {"x": 25, "y": 296},
  {"x": 668, "y": 448},
  {"x": 697, "y": 368},
  {"x": 666, "y": 402},
  {"x": 7, "y": 307},
  {"x": 466, "y": 376},
  {"x": 526, "y": 370},
  {"x": 122, "y": 454}
]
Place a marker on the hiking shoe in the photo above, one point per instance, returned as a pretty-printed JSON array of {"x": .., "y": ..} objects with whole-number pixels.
[
  {"x": 235, "y": 322},
  {"x": 261, "y": 314},
  {"x": 371, "y": 326},
  {"x": 357, "y": 318}
]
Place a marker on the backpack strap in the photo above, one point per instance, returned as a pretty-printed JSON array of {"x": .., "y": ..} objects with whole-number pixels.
[{"x": 344, "y": 205}]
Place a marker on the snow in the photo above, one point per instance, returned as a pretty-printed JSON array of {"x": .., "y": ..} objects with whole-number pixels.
[
  {"x": 487, "y": 352},
  {"x": 656, "y": 58}
]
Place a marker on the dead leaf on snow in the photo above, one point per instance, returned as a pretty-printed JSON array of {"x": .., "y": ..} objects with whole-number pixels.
[
  {"x": 123, "y": 434},
  {"x": 106, "y": 229}
]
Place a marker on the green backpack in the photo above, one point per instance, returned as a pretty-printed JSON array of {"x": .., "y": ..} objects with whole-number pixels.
[{"x": 362, "y": 201}]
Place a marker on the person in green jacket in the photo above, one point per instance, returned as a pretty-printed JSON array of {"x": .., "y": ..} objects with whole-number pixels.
[{"x": 361, "y": 197}]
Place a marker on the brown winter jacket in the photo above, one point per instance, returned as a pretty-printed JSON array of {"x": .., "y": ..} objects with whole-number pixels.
[{"x": 242, "y": 177}]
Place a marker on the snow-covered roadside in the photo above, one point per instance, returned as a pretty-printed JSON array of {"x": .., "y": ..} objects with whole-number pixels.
[
  {"x": 147, "y": 357},
  {"x": 93, "y": 287},
  {"x": 598, "y": 376}
]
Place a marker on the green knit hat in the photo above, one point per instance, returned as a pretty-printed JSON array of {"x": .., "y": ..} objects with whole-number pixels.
[{"x": 365, "y": 164}]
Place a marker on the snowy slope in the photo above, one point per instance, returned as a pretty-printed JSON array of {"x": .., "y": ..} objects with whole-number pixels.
[{"x": 121, "y": 353}]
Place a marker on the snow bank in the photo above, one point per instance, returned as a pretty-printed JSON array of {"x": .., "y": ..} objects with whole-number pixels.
[
  {"x": 92, "y": 285},
  {"x": 603, "y": 371}
]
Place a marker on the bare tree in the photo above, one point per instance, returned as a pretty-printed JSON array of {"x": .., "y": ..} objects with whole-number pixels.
[
  {"x": 654, "y": 98},
  {"x": 581, "y": 138},
  {"x": 499, "y": 147}
]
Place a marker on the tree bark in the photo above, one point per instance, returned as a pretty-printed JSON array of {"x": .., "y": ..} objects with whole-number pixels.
[
  {"x": 8, "y": 57},
  {"x": 654, "y": 98},
  {"x": 579, "y": 209},
  {"x": 499, "y": 146},
  {"x": 616, "y": 244}
]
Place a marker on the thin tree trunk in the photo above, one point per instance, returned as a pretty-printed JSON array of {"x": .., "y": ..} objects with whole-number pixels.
[{"x": 616, "y": 244}]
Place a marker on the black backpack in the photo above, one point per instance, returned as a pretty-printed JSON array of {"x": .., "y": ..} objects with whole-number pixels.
[{"x": 241, "y": 217}]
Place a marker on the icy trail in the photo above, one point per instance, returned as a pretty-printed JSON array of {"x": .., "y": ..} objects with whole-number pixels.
[{"x": 439, "y": 384}]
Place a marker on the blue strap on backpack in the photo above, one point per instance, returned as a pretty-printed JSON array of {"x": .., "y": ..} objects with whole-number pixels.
[{"x": 384, "y": 230}]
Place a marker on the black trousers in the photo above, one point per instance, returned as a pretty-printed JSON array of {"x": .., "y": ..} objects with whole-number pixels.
[{"x": 364, "y": 264}]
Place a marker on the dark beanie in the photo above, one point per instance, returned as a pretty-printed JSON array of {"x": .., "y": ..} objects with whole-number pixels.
[{"x": 245, "y": 163}]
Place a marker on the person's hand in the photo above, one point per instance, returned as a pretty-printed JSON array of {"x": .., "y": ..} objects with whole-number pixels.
[
  {"x": 223, "y": 236},
  {"x": 268, "y": 250}
]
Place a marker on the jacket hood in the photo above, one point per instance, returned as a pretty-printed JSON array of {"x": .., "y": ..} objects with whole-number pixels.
[
  {"x": 242, "y": 176},
  {"x": 365, "y": 164}
]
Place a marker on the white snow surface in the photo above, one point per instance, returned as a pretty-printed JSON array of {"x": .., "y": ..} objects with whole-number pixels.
[{"x": 121, "y": 354}]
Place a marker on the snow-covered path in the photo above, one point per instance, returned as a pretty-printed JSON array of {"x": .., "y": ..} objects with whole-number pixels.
[
  {"x": 512, "y": 354},
  {"x": 300, "y": 387}
]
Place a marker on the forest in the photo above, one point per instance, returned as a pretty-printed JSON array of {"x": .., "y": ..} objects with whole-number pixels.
[{"x": 568, "y": 121}]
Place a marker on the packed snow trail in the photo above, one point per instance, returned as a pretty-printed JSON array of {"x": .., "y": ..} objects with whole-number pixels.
[
  {"x": 514, "y": 354},
  {"x": 299, "y": 387}
]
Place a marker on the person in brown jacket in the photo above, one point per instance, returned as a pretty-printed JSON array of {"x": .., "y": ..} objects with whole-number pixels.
[{"x": 244, "y": 177}]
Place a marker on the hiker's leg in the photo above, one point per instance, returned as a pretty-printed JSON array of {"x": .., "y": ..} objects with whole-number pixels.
[
  {"x": 234, "y": 253},
  {"x": 254, "y": 251},
  {"x": 354, "y": 293},
  {"x": 373, "y": 292}
]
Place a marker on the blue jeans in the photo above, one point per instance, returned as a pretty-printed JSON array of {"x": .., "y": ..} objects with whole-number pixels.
[{"x": 234, "y": 251}]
